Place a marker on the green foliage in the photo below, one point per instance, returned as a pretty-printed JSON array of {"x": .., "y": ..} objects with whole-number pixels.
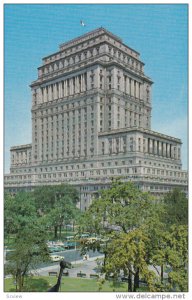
[
  {"x": 29, "y": 243},
  {"x": 128, "y": 254},
  {"x": 19, "y": 212},
  {"x": 140, "y": 236},
  {"x": 27, "y": 217},
  {"x": 177, "y": 257},
  {"x": 48, "y": 197},
  {"x": 123, "y": 205},
  {"x": 176, "y": 208},
  {"x": 57, "y": 205}
]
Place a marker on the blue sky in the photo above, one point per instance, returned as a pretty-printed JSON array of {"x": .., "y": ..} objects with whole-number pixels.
[{"x": 158, "y": 32}]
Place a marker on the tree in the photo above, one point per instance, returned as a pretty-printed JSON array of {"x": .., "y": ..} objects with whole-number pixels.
[
  {"x": 128, "y": 253},
  {"x": 123, "y": 207},
  {"x": 29, "y": 236},
  {"x": 165, "y": 227},
  {"x": 19, "y": 211},
  {"x": 140, "y": 239},
  {"x": 173, "y": 254},
  {"x": 57, "y": 204},
  {"x": 30, "y": 250},
  {"x": 176, "y": 208},
  {"x": 119, "y": 211}
]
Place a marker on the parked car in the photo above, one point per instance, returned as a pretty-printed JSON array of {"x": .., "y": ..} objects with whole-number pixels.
[
  {"x": 56, "y": 257},
  {"x": 53, "y": 249},
  {"x": 70, "y": 238},
  {"x": 60, "y": 248}
]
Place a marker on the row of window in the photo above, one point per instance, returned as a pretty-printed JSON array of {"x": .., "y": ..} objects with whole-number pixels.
[
  {"x": 125, "y": 170},
  {"x": 80, "y": 105},
  {"x": 62, "y": 89},
  {"x": 99, "y": 164},
  {"x": 72, "y": 48},
  {"x": 67, "y": 108},
  {"x": 68, "y": 61},
  {"x": 63, "y": 62}
]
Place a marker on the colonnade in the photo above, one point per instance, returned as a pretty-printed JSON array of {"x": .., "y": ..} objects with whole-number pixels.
[
  {"x": 64, "y": 88},
  {"x": 162, "y": 148},
  {"x": 132, "y": 87},
  {"x": 120, "y": 145}
]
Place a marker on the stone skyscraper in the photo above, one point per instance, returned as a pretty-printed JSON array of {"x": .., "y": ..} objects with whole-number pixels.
[{"x": 91, "y": 122}]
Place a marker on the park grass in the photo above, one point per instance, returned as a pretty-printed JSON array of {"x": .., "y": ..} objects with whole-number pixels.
[{"x": 43, "y": 283}]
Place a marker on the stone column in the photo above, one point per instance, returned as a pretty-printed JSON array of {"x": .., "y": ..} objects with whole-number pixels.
[
  {"x": 20, "y": 157},
  {"x": 42, "y": 95},
  {"x": 121, "y": 144},
  {"x": 172, "y": 151},
  {"x": 127, "y": 85},
  {"x": 54, "y": 91},
  {"x": 77, "y": 84},
  {"x": 137, "y": 89},
  {"x": 46, "y": 90},
  {"x": 155, "y": 147},
  {"x": 113, "y": 145},
  {"x": 127, "y": 144},
  {"x": 150, "y": 146},
  {"x": 59, "y": 89},
  {"x": 164, "y": 149},
  {"x": 70, "y": 86},
  {"x": 141, "y": 91},
  {"x": 168, "y": 150},
  {"x": 84, "y": 89},
  {"x": 82, "y": 82},
  {"x": 106, "y": 146},
  {"x": 65, "y": 88},
  {"x": 85, "y": 78},
  {"x": 39, "y": 96},
  {"x": 160, "y": 148},
  {"x": 132, "y": 87},
  {"x": 49, "y": 93}
]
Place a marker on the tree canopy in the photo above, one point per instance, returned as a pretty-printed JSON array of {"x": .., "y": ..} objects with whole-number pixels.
[
  {"x": 141, "y": 237},
  {"x": 28, "y": 215}
]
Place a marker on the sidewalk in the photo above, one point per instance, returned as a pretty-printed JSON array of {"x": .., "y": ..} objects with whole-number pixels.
[{"x": 86, "y": 266}]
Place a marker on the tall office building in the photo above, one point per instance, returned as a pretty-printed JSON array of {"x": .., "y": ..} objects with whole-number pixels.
[{"x": 91, "y": 122}]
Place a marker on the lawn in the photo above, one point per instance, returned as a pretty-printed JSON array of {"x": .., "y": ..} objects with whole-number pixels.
[{"x": 43, "y": 283}]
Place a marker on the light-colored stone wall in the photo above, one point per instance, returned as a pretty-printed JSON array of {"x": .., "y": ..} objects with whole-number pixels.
[{"x": 91, "y": 122}]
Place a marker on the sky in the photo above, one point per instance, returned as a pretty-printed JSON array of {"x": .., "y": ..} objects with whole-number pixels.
[{"x": 158, "y": 32}]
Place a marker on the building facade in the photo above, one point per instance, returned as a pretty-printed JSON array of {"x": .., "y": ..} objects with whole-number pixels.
[{"x": 91, "y": 122}]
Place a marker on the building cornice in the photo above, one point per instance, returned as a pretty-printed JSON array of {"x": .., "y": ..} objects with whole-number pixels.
[
  {"x": 139, "y": 130},
  {"x": 19, "y": 147},
  {"x": 89, "y": 63}
]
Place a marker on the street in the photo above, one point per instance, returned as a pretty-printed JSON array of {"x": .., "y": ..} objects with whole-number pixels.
[{"x": 71, "y": 256}]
